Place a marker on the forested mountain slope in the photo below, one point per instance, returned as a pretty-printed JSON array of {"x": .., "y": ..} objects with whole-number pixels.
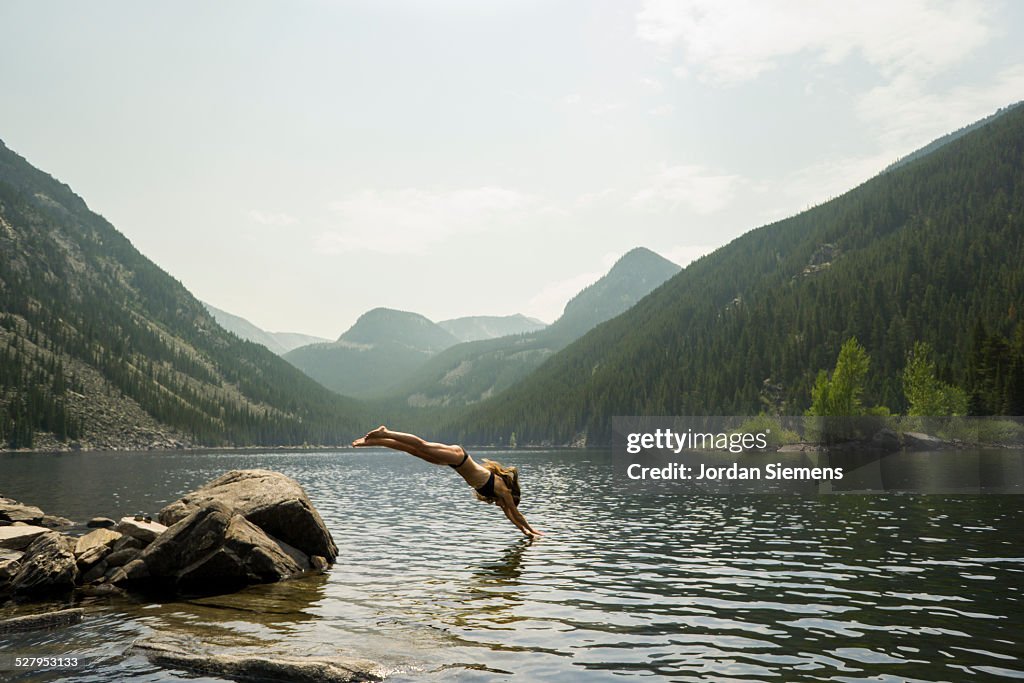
[
  {"x": 100, "y": 347},
  {"x": 931, "y": 251}
]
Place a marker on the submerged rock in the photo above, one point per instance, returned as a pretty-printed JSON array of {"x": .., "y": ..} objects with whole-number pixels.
[
  {"x": 270, "y": 500},
  {"x": 249, "y": 668},
  {"x": 100, "y": 523},
  {"x": 36, "y": 622}
]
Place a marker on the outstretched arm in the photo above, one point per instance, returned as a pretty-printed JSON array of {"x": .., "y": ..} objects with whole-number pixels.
[
  {"x": 511, "y": 510},
  {"x": 517, "y": 518}
]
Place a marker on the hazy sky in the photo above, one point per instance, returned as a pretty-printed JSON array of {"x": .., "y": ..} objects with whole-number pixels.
[{"x": 298, "y": 163}]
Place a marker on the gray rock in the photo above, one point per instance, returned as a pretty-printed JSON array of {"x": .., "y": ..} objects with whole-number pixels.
[
  {"x": 249, "y": 668},
  {"x": 119, "y": 558},
  {"x": 47, "y": 566},
  {"x": 19, "y": 536},
  {"x": 126, "y": 543},
  {"x": 213, "y": 549},
  {"x": 918, "y": 441},
  {"x": 91, "y": 556},
  {"x": 275, "y": 503},
  {"x": 92, "y": 548},
  {"x": 886, "y": 439},
  {"x": 10, "y": 561},
  {"x": 801, "y": 447},
  {"x": 12, "y": 511},
  {"x": 140, "y": 530},
  {"x": 36, "y": 622},
  {"x": 95, "y": 573},
  {"x": 55, "y": 522},
  {"x": 100, "y": 523},
  {"x": 100, "y": 538},
  {"x": 99, "y": 590}
]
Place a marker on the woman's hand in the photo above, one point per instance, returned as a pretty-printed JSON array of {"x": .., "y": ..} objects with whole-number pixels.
[{"x": 511, "y": 511}]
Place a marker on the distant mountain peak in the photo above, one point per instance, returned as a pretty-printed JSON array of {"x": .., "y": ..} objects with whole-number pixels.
[
  {"x": 475, "y": 328},
  {"x": 278, "y": 342},
  {"x": 389, "y": 325},
  {"x": 634, "y": 276}
]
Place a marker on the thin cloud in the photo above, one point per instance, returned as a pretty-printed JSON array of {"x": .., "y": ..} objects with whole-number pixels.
[
  {"x": 407, "y": 220},
  {"x": 909, "y": 117},
  {"x": 652, "y": 84},
  {"x": 273, "y": 219},
  {"x": 731, "y": 42},
  {"x": 692, "y": 188}
]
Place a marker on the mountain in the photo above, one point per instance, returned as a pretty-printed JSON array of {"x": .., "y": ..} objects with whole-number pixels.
[
  {"x": 379, "y": 350},
  {"x": 474, "y": 371},
  {"x": 931, "y": 251},
  {"x": 633, "y": 277},
  {"x": 101, "y": 348},
  {"x": 278, "y": 342},
  {"x": 475, "y": 328}
]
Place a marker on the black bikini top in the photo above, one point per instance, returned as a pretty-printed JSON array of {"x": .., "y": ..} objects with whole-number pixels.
[{"x": 487, "y": 490}]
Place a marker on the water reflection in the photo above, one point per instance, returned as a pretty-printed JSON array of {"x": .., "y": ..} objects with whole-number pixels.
[{"x": 258, "y": 616}]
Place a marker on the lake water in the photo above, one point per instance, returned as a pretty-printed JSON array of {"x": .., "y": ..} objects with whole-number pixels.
[{"x": 437, "y": 586}]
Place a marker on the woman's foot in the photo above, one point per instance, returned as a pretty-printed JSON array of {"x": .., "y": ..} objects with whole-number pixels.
[{"x": 374, "y": 434}]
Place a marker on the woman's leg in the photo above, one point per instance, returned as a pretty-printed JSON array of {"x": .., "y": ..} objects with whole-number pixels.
[{"x": 437, "y": 453}]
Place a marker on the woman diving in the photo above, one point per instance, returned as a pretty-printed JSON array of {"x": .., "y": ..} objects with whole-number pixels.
[{"x": 494, "y": 483}]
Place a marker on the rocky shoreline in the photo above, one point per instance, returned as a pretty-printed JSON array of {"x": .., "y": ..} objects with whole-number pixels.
[
  {"x": 247, "y": 526},
  {"x": 244, "y": 527}
]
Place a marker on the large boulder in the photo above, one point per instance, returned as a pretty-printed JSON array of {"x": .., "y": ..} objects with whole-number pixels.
[
  {"x": 210, "y": 550},
  {"x": 47, "y": 566},
  {"x": 270, "y": 500}
]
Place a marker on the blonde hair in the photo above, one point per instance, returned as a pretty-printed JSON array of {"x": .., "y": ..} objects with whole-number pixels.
[{"x": 510, "y": 475}]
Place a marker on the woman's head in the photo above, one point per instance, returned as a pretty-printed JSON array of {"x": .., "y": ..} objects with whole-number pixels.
[{"x": 510, "y": 477}]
